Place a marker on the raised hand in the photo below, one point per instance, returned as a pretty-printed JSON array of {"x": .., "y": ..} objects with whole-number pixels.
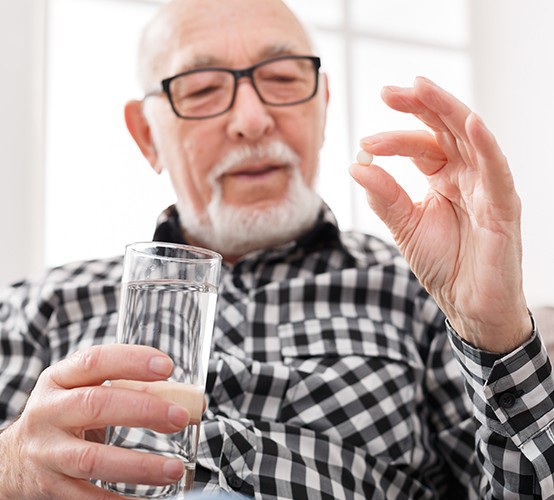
[
  {"x": 463, "y": 239},
  {"x": 44, "y": 453}
]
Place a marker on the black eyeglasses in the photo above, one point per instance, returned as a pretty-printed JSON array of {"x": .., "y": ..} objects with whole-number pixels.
[{"x": 208, "y": 92}]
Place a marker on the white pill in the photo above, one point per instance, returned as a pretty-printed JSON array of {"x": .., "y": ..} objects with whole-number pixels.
[{"x": 364, "y": 158}]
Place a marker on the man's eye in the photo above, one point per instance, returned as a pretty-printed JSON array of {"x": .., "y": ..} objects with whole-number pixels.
[
  {"x": 284, "y": 78},
  {"x": 201, "y": 92},
  {"x": 280, "y": 78}
]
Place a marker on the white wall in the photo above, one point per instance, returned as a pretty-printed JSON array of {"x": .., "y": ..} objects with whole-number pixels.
[
  {"x": 20, "y": 141},
  {"x": 513, "y": 77}
]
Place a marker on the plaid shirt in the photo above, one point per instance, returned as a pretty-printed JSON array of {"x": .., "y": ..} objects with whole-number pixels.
[{"x": 332, "y": 376}]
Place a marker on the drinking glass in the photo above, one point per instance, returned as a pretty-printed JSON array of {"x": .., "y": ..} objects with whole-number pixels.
[{"x": 168, "y": 301}]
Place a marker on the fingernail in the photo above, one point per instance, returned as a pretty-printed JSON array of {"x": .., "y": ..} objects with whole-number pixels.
[
  {"x": 161, "y": 365},
  {"x": 178, "y": 416},
  {"x": 477, "y": 118},
  {"x": 370, "y": 140},
  {"x": 173, "y": 469},
  {"x": 425, "y": 79},
  {"x": 391, "y": 88}
]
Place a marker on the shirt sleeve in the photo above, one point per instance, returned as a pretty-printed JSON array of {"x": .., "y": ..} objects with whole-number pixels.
[
  {"x": 22, "y": 351},
  {"x": 44, "y": 319},
  {"x": 513, "y": 403}
]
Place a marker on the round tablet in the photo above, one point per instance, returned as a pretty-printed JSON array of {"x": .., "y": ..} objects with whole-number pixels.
[{"x": 364, "y": 158}]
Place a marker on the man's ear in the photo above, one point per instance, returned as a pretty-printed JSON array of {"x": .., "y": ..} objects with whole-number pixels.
[{"x": 140, "y": 130}]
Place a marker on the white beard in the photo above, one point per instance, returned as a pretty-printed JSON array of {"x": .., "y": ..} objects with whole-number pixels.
[{"x": 235, "y": 231}]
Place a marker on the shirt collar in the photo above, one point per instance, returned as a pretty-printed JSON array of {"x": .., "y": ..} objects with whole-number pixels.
[{"x": 324, "y": 234}]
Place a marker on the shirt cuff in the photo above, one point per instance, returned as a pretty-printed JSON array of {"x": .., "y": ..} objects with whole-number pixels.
[{"x": 513, "y": 394}]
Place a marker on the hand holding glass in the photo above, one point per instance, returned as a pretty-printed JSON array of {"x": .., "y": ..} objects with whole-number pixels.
[{"x": 168, "y": 300}]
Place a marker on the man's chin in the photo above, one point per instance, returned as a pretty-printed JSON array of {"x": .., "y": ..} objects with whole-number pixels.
[
  {"x": 241, "y": 230},
  {"x": 257, "y": 206},
  {"x": 236, "y": 231}
]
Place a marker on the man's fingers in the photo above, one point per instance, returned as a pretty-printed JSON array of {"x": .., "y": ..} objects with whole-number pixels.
[
  {"x": 385, "y": 196},
  {"x": 97, "y": 364},
  {"x": 65, "y": 488},
  {"x": 492, "y": 159},
  {"x": 404, "y": 100},
  {"x": 483, "y": 139},
  {"x": 452, "y": 140},
  {"x": 451, "y": 112},
  {"x": 458, "y": 132},
  {"x": 84, "y": 460},
  {"x": 98, "y": 406},
  {"x": 419, "y": 145}
]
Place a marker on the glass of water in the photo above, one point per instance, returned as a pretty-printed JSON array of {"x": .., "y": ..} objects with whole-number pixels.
[{"x": 168, "y": 301}]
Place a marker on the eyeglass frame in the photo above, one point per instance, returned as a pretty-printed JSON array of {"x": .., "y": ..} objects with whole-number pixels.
[{"x": 237, "y": 74}]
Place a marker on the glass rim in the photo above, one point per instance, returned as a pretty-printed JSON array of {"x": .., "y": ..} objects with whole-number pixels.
[{"x": 141, "y": 246}]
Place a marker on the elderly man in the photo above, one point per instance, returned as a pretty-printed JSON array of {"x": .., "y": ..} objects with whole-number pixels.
[{"x": 334, "y": 373}]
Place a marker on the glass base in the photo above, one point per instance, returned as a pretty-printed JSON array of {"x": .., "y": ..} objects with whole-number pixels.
[{"x": 147, "y": 491}]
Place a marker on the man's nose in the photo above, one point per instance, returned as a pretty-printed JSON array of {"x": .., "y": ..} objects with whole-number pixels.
[{"x": 249, "y": 118}]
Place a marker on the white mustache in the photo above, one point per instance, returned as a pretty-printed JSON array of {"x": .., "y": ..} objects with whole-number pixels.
[{"x": 275, "y": 151}]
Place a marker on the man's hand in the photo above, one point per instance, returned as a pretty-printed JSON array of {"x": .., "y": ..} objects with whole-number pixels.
[
  {"x": 44, "y": 453},
  {"x": 463, "y": 241}
]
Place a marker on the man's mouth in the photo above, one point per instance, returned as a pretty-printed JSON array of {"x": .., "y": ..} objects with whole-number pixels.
[{"x": 255, "y": 171}]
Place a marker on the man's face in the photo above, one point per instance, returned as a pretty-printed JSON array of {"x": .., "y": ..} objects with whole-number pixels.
[{"x": 235, "y": 34}]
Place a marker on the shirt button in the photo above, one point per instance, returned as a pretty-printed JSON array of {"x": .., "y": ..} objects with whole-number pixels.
[
  {"x": 235, "y": 482},
  {"x": 507, "y": 400}
]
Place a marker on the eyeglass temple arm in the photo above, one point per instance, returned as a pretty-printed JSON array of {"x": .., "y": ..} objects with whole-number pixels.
[{"x": 154, "y": 92}]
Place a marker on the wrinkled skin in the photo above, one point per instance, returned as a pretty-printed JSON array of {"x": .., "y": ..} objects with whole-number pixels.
[{"x": 463, "y": 239}]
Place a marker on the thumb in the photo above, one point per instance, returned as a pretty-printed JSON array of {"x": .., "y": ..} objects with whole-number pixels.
[{"x": 384, "y": 195}]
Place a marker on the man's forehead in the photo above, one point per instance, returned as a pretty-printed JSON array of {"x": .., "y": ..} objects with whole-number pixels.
[
  {"x": 191, "y": 58},
  {"x": 217, "y": 33}
]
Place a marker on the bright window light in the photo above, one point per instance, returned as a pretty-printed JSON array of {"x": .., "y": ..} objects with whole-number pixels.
[{"x": 101, "y": 193}]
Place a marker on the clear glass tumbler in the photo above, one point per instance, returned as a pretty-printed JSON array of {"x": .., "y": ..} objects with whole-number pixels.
[{"x": 168, "y": 301}]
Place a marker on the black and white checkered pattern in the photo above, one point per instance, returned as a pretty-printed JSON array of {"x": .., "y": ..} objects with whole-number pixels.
[{"x": 332, "y": 376}]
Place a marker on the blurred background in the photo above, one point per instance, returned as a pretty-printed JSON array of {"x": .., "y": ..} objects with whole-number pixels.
[{"x": 74, "y": 186}]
